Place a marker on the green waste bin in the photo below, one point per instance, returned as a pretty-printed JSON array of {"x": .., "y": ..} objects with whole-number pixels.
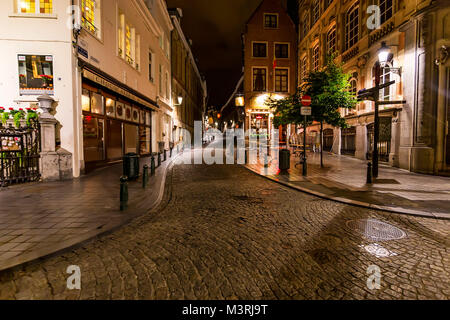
[
  {"x": 285, "y": 160},
  {"x": 131, "y": 166}
]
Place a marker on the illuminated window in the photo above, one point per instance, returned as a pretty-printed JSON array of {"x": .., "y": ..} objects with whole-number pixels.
[
  {"x": 304, "y": 68},
  {"x": 35, "y": 6},
  {"x": 129, "y": 43},
  {"x": 352, "y": 26},
  {"x": 316, "y": 57},
  {"x": 331, "y": 41},
  {"x": 281, "y": 80},
  {"x": 46, "y": 6},
  {"x": 259, "y": 79},
  {"x": 35, "y": 74},
  {"x": 90, "y": 20}
]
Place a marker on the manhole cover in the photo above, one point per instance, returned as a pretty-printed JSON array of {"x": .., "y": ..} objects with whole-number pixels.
[{"x": 376, "y": 230}]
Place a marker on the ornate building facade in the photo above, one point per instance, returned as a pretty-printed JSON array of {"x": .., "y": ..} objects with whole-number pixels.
[{"x": 413, "y": 136}]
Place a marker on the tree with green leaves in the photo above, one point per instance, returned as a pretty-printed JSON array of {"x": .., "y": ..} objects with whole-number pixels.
[{"x": 329, "y": 91}]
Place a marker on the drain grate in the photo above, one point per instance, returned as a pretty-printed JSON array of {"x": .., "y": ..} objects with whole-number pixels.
[{"x": 376, "y": 230}]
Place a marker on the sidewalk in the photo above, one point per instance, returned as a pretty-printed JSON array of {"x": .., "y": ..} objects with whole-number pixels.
[
  {"x": 344, "y": 179},
  {"x": 40, "y": 219}
]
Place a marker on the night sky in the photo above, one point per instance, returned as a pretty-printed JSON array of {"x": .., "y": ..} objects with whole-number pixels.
[{"x": 215, "y": 27}]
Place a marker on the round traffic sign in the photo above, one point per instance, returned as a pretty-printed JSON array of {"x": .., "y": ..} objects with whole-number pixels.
[{"x": 306, "y": 101}]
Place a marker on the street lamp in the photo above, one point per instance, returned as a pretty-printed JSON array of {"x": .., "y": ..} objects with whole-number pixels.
[
  {"x": 239, "y": 100},
  {"x": 180, "y": 100},
  {"x": 383, "y": 58}
]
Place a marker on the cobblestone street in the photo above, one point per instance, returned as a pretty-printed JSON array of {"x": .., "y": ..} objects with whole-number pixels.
[{"x": 223, "y": 232}]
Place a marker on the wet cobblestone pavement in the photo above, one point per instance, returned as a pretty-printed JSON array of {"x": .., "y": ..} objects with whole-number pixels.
[{"x": 223, "y": 232}]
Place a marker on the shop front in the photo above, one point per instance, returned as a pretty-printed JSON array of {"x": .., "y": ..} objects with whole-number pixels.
[{"x": 113, "y": 125}]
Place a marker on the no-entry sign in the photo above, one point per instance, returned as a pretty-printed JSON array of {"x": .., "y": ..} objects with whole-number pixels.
[{"x": 306, "y": 101}]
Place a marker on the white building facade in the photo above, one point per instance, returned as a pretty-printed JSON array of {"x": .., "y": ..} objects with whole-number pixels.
[{"x": 110, "y": 82}]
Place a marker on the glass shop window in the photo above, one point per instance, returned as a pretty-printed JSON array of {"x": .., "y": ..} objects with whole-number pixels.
[
  {"x": 35, "y": 75},
  {"x": 110, "y": 107},
  {"x": 94, "y": 138}
]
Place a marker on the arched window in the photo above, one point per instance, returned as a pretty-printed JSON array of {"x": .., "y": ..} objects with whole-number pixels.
[
  {"x": 331, "y": 41},
  {"x": 352, "y": 26},
  {"x": 304, "y": 68},
  {"x": 316, "y": 57},
  {"x": 386, "y": 76}
]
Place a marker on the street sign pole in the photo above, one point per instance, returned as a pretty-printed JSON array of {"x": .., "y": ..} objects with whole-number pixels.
[
  {"x": 377, "y": 121},
  {"x": 305, "y": 168},
  {"x": 306, "y": 102}
]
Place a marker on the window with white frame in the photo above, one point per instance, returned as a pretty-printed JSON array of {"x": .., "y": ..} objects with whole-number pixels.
[
  {"x": 316, "y": 57},
  {"x": 34, "y": 6},
  {"x": 316, "y": 11},
  {"x": 331, "y": 40},
  {"x": 281, "y": 80},
  {"x": 352, "y": 26},
  {"x": 91, "y": 16}
]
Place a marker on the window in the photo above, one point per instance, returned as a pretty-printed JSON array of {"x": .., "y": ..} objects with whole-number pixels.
[
  {"x": 259, "y": 79},
  {"x": 166, "y": 83},
  {"x": 304, "y": 68},
  {"x": 160, "y": 81},
  {"x": 305, "y": 28},
  {"x": 281, "y": 80},
  {"x": 352, "y": 26},
  {"x": 316, "y": 11},
  {"x": 281, "y": 50},
  {"x": 331, "y": 41},
  {"x": 386, "y": 93},
  {"x": 259, "y": 50},
  {"x": 90, "y": 16},
  {"x": 270, "y": 21},
  {"x": 316, "y": 57},
  {"x": 151, "y": 72},
  {"x": 129, "y": 43},
  {"x": 386, "y": 9},
  {"x": 35, "y": 74},
  {"x": 35, "y": 6}
]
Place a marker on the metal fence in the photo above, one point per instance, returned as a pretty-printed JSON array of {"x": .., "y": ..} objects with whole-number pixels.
[
  {"x": 19, "y": 154},
  {"x": 384, "y": 144}
]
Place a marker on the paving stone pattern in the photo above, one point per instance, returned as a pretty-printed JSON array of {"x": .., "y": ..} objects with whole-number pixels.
[{"x": 222, "y": 232}]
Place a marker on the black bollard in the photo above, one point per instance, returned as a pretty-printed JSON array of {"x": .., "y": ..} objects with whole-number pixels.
[
  {"x": 159, "y": 159},
  {"x": 171, "y": 149},
  {"x": 152, "y": 166},
  {"x": 123, "y": 193},
  {"x": 145, "y": 177},
  {"x": 369, "y": 173},
  {"x": 165, "y": 154}
]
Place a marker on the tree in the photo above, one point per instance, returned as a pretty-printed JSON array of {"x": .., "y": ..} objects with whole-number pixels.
[{"x": 329, "y": 91}]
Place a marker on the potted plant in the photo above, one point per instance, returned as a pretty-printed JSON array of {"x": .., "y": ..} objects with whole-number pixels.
[{"x": 31, "y": 116}]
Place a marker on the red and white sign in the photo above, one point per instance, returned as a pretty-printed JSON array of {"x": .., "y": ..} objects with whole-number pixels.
[{"x": 306, "y": 101}]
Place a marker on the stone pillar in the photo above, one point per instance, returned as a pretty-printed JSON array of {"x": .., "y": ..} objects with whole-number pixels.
[
  {"x": 361, "y": 142},
  {"x": 54, "y": 165},
  {"x": 394, "y": 158},
  {"x": 337, "y": 141}
]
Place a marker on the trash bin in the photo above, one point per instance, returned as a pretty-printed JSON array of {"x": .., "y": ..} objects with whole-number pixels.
[
  {"x": 285, "y": 160},
  {"x": 131, "y": 166}
]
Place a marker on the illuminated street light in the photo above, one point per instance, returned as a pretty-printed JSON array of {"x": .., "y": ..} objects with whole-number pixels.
[
  {"x": 180, "y": 100},
  {"x": 240, "y": 101}
]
